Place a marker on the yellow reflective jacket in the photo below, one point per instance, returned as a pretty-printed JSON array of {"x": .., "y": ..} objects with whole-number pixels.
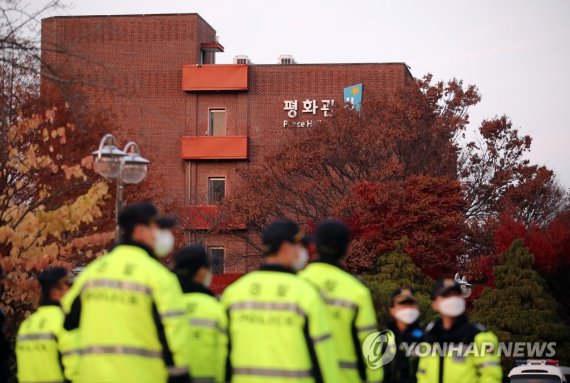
[
  {"x": 131, "y": 319},
  {"x": 352, "y": 318},
  {"x": 464, "y": 354},
  {"x": 208, "y": 333},
  {"x": 45, "y": 352},
  {"x": 279, "y": 330}
]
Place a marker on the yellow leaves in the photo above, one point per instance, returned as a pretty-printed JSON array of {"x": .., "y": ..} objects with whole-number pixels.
[
  {"x": 5, "y": 233},
  {"x": 68, "y": 218},
  {"x": 50, "y": 115},
  {"x": 35, "y": 235},
  {"x": 13, "y": 153},
  {"x": 87, "y": 162},
  {"x": 43, "y": 193},
  {"x": 73, "y": 171},
  {"x": 24, "y": 162},
  {"x": 85, "y": 244},
  {"x": 61, "y": 133},
  {"x": 18, "y": 131},
  {"x": 31, "y": 235},
  {"x": 58, "y": 132}
]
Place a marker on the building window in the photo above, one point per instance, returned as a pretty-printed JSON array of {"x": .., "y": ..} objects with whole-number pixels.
[
  {"x": 216, "y": 190},
  {"x": 217, "y": 125},
  {"x": 216, "y": 255}
]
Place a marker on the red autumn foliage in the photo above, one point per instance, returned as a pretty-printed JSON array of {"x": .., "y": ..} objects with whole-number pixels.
[
  {"x": 550, "y": 244},
  {"x": 413, "y": 132},
  {"x": 402, "y": 167},
  {"x": 426, "y": 210}
]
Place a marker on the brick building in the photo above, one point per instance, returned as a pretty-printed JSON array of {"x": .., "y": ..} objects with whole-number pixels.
[{"x": 197, "y": 121}]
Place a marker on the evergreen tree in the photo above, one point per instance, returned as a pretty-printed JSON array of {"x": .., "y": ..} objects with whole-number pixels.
[
  {"x": 519, "y": 308},
  {"x": 397, "y": 270}
]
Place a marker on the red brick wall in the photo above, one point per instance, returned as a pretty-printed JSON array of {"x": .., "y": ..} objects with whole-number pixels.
[{"x": 132, "y": 65}]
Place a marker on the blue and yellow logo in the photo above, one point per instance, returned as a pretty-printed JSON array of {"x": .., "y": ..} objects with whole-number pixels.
[{"x": 353, "y": 96}]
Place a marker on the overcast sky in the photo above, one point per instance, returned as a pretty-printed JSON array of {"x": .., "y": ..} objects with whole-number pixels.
[{"x": 517, "y": 52}]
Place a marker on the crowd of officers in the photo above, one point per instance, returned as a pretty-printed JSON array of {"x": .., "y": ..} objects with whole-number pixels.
[{"x": 128, "y": 318}]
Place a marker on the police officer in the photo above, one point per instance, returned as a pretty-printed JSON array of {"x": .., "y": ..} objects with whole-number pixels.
[
  {"x": 278, "y": 325},
  {"x": 129, "y": 309},
  {"x": 348, "y": 301},
  {"x": 405, "y": 325},
  {"x": 460, "y": 351},
  {"x": 44, "y": 350},
  {"x": 206, "y": 316}
]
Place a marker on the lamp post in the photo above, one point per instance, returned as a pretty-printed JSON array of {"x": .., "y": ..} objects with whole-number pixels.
[
  {"x": 127, "y": 166},
  {"x": 466, "y": 287}
]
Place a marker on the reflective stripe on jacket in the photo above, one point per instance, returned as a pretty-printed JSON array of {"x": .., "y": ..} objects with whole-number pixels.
[
  {"x": 44, "y": 350},
  {"x": 132, "y": 323},
  {"x": 208, "y": 336},
  {"x": 352, "y": 317},
  {"x": 279, "y": 330}
]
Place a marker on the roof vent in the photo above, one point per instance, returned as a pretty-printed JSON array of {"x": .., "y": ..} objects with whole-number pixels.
[
  {"x": 242, "y": 59},
  {"x": 286, "y": 59}
]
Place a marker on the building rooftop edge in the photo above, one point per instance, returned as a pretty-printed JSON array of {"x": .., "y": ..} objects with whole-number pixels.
[
  {"x": 130, "y": 15},
  {"x": 305, "y": 64}
]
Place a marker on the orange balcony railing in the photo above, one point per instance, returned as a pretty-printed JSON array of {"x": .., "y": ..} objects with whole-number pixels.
[
  {"x": 218, "y": 77},
  {"x": 208, "y": 217},
  {"x": 214, "y": 148}
]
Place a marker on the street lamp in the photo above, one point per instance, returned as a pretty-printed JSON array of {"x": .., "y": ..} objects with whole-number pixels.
[
  {"x": 134, "y": 166},
  {"x": 466, "y": 287},
  {"x": 108, "y": 158},
  {"x": 127, "y": 166}
]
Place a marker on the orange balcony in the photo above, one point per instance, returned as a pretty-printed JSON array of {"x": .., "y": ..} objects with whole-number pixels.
[
  {"x": 214, "y": 148},
  {"x": 218, "y": 77},
  {"x": 207, "y": 217},
  {"x": 221, "y": 281}
]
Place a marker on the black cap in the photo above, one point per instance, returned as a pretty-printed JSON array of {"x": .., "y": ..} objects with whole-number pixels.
[
  {"x": 443, "y": 287},
  {"x": 191, "y": 258},
  {"x": 332, "y": 238},
  {"x": 403, "y": 296},
  {"x": 143, "y": 213},
  {"x": 50, "y": 277},
  {"x": 282, "y": 231}
]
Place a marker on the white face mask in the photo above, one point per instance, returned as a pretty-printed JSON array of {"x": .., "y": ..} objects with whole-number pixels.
[
  {"x": 452, "y": 306},
  {"x": 163, "y": 242},
  {"x": 302, "y": 260},
  {"x": 407, "y": 316},
  {"x": 208, "y": 279}
]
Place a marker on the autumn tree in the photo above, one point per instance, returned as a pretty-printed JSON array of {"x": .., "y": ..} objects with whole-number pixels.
[
  {"x": 413, "y": 132},
  {"x": 501, "y": 184},
  {"x": 396, "y": 270},
  {"x": 426, "y": 210},
  {"x": 550, "y": 245},
  {"x": 44, "y": 223},
  {"x": 519, "y": 307},
  {"x": 20, "y": 58}
]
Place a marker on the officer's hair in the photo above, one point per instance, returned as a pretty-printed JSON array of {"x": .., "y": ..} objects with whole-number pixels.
[
  {"x": 49, "y": 279},
  {"x": 127, "y": 233}
]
